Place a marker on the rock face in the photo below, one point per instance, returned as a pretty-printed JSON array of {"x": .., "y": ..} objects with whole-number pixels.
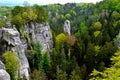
[
  {"x": 3, "y": 74},
  {"x": 42, "y": 34},
  {"x": 67, "y": 27},
  {"x": 2, "y": 66},
  {"x": 12, "y": 42}
]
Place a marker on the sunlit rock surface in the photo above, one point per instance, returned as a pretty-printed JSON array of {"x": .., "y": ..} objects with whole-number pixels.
[
  {"x": 41, "y": 33},
  {"x": 3, "y": 74},
  {"x": 67, "y": 27},
  {"x": 2, "y": 66},
  {"x": 12, "y": 42}
]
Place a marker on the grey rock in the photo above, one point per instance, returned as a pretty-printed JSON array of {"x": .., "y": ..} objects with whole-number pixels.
[
  {"x": 13, "y": 42},
  {"x": 24, "y": 65},
  {"x": 2, "y": 66},
  {"x": 67, "y": 27},
  {"x": 12, "y": 37},
  {"x": 4, "y": 75},
  {"x": 44, "y": 36},
  {"x": 41, "y": 33}
]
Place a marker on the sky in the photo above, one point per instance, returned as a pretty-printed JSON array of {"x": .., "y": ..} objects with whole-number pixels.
[{"x": 42, "y": 2}]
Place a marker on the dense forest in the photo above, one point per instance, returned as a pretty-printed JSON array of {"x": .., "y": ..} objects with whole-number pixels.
[{"x": 89, "y": 53}]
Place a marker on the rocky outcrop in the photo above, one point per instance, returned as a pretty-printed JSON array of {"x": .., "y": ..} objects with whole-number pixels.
[
  {"x": 44, "y": 36},
  {"x": 41, "y": 33},
  {"x": 67, "y": 27},
  {"x": 2, "y": 66},
  {"x": 12, "y": 42},
  {"x": 3, "y": 74}
]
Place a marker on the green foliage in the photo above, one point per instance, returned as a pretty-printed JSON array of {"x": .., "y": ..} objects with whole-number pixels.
[
  {"x": 83, "y": 27},
  {"x": 31, "y": 15},
  {"x": 0, "y": 15},
  {"x": 42, "y": 14},
  {"x": 60, "y": 75},
  {"x": 112, "y": 73},
  {"x": 97, "y": 49},
  {"x": 97, "y": 33},
  {"x": 41, "y": 59},
  {"x": 76, "y": 74},
  {"x": 37, "y": 75},
  {"x": 26, "y": 35},
  {"x": 17, "y": 10},
  {"x": 61, "y": 39},
  {"x": 97, "y": 26},
  {"x": 38, "y": 56},
  {"x": 63, "y": 17},
  {"x": 12, "y": 64},
  {"x": 2, "y": 23},
  {"x": 4, "y": 10},
  {"x": 46, "y": 61},
  {"x": 90, "y": 57},
  {"x": 73, "y": 13},
  {"x": 68, "y": 16},
  {"x": 116, "y": 15},
  {"x": 17, "y": 21}
]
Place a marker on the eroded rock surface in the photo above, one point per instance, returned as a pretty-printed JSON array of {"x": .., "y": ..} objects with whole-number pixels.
[
  {"x": 2, "y": 66},
  {"x": 12, "y": 42},
  {"x": 3, "y": 74},
  {"x": 67, "y": 27},
  {"x": 41, "y": 32}
]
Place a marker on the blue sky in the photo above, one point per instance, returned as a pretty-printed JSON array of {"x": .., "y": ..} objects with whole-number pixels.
[{"x": 43, "y": 2}]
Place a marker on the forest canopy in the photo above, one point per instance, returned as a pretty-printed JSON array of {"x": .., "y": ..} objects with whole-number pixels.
[{"x": 90, "y": 53}]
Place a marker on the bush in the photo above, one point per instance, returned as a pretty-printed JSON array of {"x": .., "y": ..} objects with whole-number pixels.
[
  {"x": 11, "y": 63},
  {"x": 2, "y": 24}
]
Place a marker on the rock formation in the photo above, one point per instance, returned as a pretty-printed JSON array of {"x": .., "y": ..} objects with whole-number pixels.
[
  {"x": 3, "y": 74},
  {"x": 42, "y": 34},
  {"x": 12, "y": 42},
  {"x": 67, "y": 27}
]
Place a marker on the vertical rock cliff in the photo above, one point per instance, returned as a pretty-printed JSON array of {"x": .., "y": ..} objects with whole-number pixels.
[
  {"x": 41, "y": 33},
  {"x": 12, "y": 40}
]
